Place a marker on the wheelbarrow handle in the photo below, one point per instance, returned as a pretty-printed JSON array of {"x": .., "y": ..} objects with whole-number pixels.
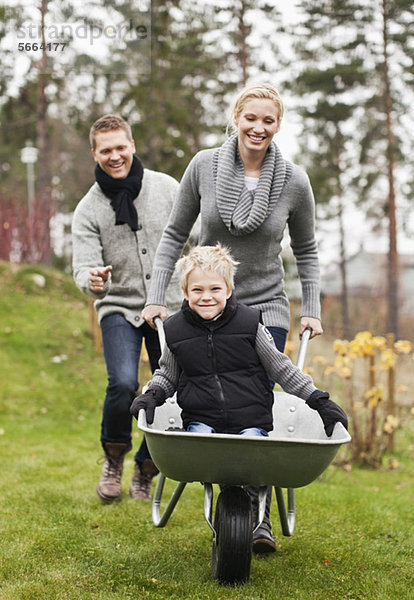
[
  {"x": 160, "y": 329},
  {"x": 303, "y": 347}
]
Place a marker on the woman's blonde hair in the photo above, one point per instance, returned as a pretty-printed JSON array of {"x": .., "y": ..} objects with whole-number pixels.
[
  {"x": 254, "y": 90},
  {"x": 213, "y": 259}
]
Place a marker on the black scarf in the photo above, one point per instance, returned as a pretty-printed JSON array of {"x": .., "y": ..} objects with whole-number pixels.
[{"x": 122, "y": 192}]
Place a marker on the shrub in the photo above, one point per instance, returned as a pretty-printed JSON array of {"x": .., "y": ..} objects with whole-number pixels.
[{"x": 366, "y": 369}]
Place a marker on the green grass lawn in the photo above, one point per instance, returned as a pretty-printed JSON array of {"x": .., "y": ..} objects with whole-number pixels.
[{"x": 354, "y": 536}]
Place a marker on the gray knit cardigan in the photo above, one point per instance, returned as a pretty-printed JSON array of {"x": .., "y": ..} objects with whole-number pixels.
[
  {"x": 97, "y": 241},
  {"x": 259, "y": 278}
]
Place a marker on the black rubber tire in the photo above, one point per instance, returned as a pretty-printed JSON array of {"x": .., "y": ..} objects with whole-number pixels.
[{"x": 232, "y": 548}]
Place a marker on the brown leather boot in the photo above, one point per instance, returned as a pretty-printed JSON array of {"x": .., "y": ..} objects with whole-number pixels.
[
  {"x": 140, "y": 488},
  {"x": 109, "y": 486},
  {"x": 263, "y": 540}
]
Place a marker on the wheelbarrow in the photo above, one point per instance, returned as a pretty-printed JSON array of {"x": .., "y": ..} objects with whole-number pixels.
[{"x": 296, "y": 452}]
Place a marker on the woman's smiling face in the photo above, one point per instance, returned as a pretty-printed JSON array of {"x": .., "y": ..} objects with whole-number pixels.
[{"x": 257, "y": 123}]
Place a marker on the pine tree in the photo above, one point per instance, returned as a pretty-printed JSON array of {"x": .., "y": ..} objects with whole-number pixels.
[
  {"x": 387, "y": 132},
  {"x": 252, "y": 35},
  {"x": 372, "y": 41},
  {"x": 25, "y": 113},
  {"x": 170, "y": 106},
  {"x": 328, "y": 78}
]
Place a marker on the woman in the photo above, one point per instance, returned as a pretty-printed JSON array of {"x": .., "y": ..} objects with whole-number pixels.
[{"x": 246, "y": 193}]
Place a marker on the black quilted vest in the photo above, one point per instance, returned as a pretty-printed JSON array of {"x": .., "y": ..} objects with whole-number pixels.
[{"x": 222, "y": 382}]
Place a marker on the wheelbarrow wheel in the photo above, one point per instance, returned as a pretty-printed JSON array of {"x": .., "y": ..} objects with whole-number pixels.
[{"x": 232, "y": 546}]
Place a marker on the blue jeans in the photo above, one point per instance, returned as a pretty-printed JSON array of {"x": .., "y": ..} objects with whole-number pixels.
[
  {"x": 198, "y": 427},
  {"x": 279, "y": 335},
  {"x": 122, "y": 344}
]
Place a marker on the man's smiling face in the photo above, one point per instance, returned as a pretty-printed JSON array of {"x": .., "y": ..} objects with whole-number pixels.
[{"x": 114, "y": 152}]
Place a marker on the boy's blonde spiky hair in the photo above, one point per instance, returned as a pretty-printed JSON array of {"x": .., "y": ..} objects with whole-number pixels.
[{"x": 216, "y": 259}]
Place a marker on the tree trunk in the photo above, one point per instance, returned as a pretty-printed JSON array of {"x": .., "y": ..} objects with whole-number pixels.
[
  {"x": 151, "y": 91},
  {"x": 346, "y": 329},
  {"x": 244, "y": 32},
  {"x": 393, "y": 275},
  {"x": 45, "y": 211},
  {"x": 337, "y": 149}
]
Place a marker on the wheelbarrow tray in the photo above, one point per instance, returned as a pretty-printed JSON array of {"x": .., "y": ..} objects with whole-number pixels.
[{"x": 296, "y": 452}]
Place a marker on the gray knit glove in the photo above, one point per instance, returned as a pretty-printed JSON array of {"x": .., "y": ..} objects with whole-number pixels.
[
  {"x": 153, "y": 397},
  {"x": 328, "y": 410}
]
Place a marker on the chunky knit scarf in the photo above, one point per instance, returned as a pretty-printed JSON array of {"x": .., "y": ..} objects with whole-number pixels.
[
  {"x": 243, "y": 210},
  {"x": 122, "y": 192}
]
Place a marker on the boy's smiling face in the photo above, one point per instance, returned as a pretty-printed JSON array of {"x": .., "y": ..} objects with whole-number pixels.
[{"x": 207, "y": 293}]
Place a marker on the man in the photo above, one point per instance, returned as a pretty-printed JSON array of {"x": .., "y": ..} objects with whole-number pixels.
[{"x": 116, "y": 229}]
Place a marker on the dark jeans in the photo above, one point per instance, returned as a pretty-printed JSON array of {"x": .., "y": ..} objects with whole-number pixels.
[
  {"x": 122, "y": 344},
  {"x": 279, "y": 335}
]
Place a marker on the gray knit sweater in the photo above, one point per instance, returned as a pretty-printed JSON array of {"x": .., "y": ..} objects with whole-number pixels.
[
  {"x": 97, "y": 241},
  {"x": 259, "y": 279},
  {"x": 277, "y": 365}
]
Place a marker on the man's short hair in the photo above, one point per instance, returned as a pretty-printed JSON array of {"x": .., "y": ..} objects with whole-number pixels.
[
  {"x": 214, "y": 259},
  {"x": 108, "y": 123}
]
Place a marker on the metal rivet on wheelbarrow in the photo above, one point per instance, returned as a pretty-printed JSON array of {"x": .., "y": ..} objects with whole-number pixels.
[
  {"x": 291, "y": 428},
  {"x": 292, "y": 408},
  {"x": 171, "y": 420}
]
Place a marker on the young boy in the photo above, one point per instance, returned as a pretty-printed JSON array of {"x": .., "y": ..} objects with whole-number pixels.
[{"x": 220, "y": 358}]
